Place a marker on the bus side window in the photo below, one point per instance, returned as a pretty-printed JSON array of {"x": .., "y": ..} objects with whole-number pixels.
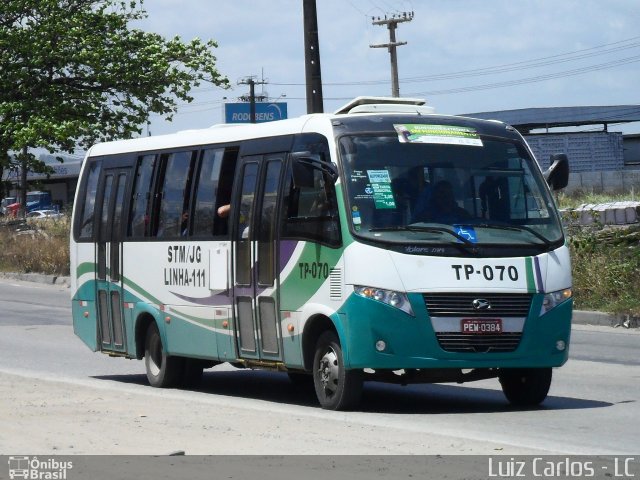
[
  {"x": 310, "y": 210},
  {"x": 140, "y": 205},
  {"x": 213, "y": 189},
  {"x": 225, "y": 186},
  {"x": 206, "y": 190},
  {"x": 174, "y": 195},
  {"x": 90, "y": 190}
]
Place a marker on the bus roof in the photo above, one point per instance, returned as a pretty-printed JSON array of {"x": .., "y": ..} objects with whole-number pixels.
[
  {"x": 352, "y": 113},
  {"x": 205, "y": 136}
]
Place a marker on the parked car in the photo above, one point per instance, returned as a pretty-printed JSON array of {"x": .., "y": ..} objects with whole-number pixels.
[
  {"x": 4, "y": 203},
  {"x": 44, "y": 214}
]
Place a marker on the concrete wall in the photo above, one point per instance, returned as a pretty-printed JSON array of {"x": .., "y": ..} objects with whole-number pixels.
[
  {"x": 617, "y": 181},
  {"x": 587, "y": 151}
]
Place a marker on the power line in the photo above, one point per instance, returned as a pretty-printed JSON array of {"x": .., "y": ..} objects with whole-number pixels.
[
  {"x": 538, "y": 78},
  {"x": 510, "y": 69},
  {"x": 503, "y": 68},
  {"x": 356, "y": 8},
  {"x": 553, "y": 60}
]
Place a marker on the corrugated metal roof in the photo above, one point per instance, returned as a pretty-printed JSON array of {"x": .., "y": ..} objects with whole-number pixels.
[{"x": 526, "y": 119}]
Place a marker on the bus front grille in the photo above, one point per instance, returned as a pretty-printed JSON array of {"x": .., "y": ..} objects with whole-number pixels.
[
  {"x": 495, "y": 305},
  {"x": 465, "y": 306},
  {"x": 472, "y": 343}
]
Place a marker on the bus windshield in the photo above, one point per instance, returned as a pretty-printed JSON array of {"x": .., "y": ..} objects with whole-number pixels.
[{"x": 487, "y": 192}]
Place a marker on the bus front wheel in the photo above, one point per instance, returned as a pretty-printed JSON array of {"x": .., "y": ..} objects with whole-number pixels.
[
  {"x": 162, "y": 369},
  {"x": 336, "y": 387},
  {"x": 525, "y": 387}
]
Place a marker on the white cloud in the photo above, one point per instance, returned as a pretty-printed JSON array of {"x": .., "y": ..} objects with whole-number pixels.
[{"x": 445, "y": 36}]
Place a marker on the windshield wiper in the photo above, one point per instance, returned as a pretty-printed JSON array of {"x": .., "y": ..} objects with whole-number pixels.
[
  {"x": 391, "y": 228},
  {"x": 516, "y": 228},
  {"x": 423, "y": 228}
]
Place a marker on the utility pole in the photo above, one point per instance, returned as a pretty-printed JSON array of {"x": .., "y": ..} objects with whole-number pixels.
[
  {"x": 251, "y": 81},
  {"x": 312, "y": 70},
  {"x": 392, "y": 24}
]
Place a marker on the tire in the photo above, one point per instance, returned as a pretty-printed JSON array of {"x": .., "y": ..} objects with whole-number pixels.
[
  {"x": 525, "y": 387},
  {"x": 163, "y": 370},
  {"x": 336, "y": 387}
]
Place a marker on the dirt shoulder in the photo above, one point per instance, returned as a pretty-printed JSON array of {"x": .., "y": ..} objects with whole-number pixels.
[{"x": 71, "y": 416}]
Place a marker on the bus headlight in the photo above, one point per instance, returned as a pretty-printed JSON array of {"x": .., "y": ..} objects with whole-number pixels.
[
  {"x": 395, "y": 299},
  {"x": 553, "y": 299}
]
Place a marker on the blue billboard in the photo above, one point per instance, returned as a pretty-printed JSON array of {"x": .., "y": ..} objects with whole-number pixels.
[{"x": 265, "y": 112}]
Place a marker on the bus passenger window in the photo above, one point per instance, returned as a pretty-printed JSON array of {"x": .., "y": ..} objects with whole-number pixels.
[
  {"x": 139, "y": 221},
  {"x": 88, "y": 209},
  {"x": 206, "y": 189},
  {"x": 213, "y": 190},
  {"x": 311, "y": 210},
  {"x": 174, "y": 196}
]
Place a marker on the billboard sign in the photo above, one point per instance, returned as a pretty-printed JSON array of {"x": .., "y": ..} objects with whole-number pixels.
[{"x": 265, "y": 112}]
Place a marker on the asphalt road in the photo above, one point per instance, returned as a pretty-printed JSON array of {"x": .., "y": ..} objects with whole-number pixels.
[{"x": 54, "y": 382}]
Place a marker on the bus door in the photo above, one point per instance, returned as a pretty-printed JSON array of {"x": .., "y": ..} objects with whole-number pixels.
[
  {"x": 111, "y": 197},
  {"x": 255, "y": 253}
]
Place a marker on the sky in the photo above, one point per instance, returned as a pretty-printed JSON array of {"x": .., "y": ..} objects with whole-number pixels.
[{"x": 462, "y": 56}]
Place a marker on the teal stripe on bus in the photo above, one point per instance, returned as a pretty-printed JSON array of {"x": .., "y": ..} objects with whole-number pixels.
[{"x": 531, "y": 279}]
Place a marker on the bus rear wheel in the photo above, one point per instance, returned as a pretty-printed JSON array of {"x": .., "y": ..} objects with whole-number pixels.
[
  {"x": 525, "y": 387},
  {"x": 162, "y": 369},
  {"x": 336, "y": 387}
]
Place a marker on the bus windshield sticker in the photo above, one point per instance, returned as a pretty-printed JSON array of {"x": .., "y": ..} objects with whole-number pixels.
[
  {"x": 355, "y": 215},
  {"x": 466, "y": 232},
  {"x": 443, "y": 134},
  {"x": 381, "y": 186}
]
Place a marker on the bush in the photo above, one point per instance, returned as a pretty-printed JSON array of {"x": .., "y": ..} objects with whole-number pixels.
[
  {"x": 40, "y": 246},
  {"x": 606, "y": 269}
]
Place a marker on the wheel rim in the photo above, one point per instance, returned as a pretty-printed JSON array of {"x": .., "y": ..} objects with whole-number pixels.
[
  {"x": 329, "y": 372},
  {"x": 155, "y": 356}
]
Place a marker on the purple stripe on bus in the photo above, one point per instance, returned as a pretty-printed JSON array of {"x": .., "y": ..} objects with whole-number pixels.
[
  {"x": 214, "y": 299},
  {"x": 536, "y": 262},
  {"x": 287, "y": 247}
]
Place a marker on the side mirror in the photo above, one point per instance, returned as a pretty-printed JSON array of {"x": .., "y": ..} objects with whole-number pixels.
[{"x": 557, "y": 175}]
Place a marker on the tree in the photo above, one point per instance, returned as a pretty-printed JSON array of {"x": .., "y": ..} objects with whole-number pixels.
[{"x": 75, "y": 72}]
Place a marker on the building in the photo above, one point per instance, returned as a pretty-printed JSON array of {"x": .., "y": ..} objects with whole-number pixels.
[
  {"x": 599, "y": 159},
  {"x": 61, "y": 183}
]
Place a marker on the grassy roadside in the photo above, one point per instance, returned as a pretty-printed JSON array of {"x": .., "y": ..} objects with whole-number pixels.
[
  {"x": 40, "y": 246},
  {"x": 579, "y": 198},
  {"x": 606, "y": 270},
  {"x": 605, "y": 261}
]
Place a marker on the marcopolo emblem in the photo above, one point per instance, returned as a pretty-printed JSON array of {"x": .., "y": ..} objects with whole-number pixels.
[{"x": 481, "y": 304}]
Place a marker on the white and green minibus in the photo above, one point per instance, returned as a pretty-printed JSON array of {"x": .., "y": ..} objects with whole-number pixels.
[{"x": 382, "y": 242}]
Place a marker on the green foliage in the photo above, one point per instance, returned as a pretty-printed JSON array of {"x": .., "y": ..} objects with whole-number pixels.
[
  {"x": 74, "y": 72},
  {"x": 40, "y": 246},
  {"x": 605, "y": 259},
  {"x": 580, "y": 197},
  {"x": 606, "y": 269}
]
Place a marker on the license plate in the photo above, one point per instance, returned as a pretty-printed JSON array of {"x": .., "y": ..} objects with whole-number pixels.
[{"x": 484, "y": 326}]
